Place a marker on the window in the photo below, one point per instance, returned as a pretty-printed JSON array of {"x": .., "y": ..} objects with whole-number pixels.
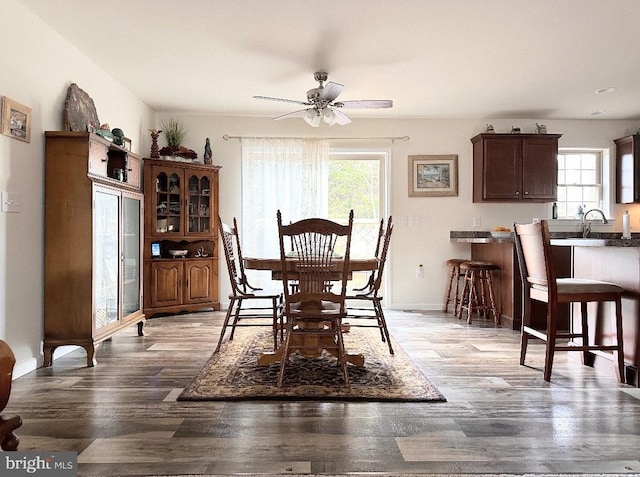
[
  {"x": 580, "y": 182},
  {"x": 307, "y": 178},
  {"x": 355, "y": 182}
]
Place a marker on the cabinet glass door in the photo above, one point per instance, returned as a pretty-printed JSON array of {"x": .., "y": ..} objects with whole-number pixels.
[
  {"x": 131, "y": 273},
  {"x": 168, "y": 202},
  {"x": 199, "y": 204},
  {"x": 106, "y": 255}
]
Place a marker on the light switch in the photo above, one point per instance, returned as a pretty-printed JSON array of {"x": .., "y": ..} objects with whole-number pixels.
[{"x": 10, "y": 202}]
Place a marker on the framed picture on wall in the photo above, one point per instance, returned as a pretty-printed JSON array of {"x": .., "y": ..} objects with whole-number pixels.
[
  {"x": 433, "y": 176},
  {"x": 16, "y": 120}
]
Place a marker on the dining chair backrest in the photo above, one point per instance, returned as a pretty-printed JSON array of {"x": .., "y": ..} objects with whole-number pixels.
[
  {"x": 381, "y": 255},
  {"x": 233, "y": 255},
  {"x": 321, "y": 252},
  {"x": 533, "y": 247}
]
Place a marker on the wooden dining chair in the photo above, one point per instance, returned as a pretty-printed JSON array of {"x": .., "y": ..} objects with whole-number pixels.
[
  {"x": 370, "y": 295},
  {"x": 242, "y": 291},
  {"x": 539, "y": 281},
  {"x": 314, "y": 311},
  {"x": 8, "y": 440}
]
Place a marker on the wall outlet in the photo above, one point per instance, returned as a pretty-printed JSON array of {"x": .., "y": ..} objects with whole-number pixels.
[{"x": 477, "y": 222}]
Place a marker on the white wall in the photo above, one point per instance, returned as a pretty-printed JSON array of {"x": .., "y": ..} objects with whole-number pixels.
[
  {"x": 37, "y": 67},
  {"x": 428, "y": 242}
]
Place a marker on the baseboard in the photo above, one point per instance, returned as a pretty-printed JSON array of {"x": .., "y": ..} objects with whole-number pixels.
[{"x": 31, "y": 364}]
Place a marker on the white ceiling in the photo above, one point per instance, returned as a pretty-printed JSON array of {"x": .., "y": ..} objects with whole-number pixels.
[{"x": 538, "y": 59}]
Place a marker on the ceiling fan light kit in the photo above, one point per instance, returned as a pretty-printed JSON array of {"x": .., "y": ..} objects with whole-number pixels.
[{"x": 323, "y": 104}]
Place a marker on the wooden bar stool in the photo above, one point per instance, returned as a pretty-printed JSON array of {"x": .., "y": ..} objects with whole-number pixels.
[
  {"x": 453, "y": 284},
  {"x": 477, "y": 291}
]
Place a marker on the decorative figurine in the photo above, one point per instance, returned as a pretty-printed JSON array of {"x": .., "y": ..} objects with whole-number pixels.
[
  {"x": 118, "y": 136},
  {"x": 490, "y": 128},
  {"x": 201, "y": 253},
  {"x": 208, "y": 153},
  {"x": 542, "y": 128},
  {"x": 155, "y": 152},
  {"x": 515, "y": 130}
]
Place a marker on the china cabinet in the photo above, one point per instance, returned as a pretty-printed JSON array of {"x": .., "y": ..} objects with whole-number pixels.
[
  {"x": 515, "y": 167},
  {"x": 93, "y": 242},
  {"x": 628, "y": 169},
  {"x": 181, "y": 239}
]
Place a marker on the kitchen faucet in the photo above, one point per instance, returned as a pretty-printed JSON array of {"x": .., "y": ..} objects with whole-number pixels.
[{"x": 586, "y": 225}]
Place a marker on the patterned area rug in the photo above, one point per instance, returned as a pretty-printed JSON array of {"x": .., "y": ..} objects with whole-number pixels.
[{"x": 234, "y": 373}]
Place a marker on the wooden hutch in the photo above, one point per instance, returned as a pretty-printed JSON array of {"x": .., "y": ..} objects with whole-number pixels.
[{"x": 181, "y": 236}]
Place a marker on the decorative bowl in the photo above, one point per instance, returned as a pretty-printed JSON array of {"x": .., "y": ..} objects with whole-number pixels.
[
  {"x": 178, "y": 253},
  {"x": 500, "y": 235}
]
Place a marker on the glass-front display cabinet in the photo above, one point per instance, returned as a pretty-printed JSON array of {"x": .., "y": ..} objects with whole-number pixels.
[
  {"x": 93, "y": 242},
  {"x": 180, "y": 250}
]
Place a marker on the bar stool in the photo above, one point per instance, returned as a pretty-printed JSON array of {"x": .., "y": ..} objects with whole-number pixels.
[
  {"x": 453, "y": 284},
  {"x": 478, "y": 284}
]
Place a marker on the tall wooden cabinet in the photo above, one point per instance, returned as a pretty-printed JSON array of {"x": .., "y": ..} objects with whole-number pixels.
[
  {"x": 93, "y": 242},
  {"x": 181, "y": 200},
  {"x": 515, "y": 167},
  {"x": 628, "y": 169}
]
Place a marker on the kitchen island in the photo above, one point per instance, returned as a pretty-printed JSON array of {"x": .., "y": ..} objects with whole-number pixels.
[
  {"x": 507, "y": 283},
  {"x": 602, "y": 256}
]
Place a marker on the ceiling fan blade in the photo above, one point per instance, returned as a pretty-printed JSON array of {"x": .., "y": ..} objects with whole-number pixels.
[
  {"x": 331, "y": 91},
  {"x": 341, "y": 118},
  {"x": 364, "y": 104},
  {"x": 282, "y": 100},
  {"x": 295, "y": 114}
]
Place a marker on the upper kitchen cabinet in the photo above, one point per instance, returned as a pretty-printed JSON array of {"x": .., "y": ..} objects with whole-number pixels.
[
  {"x": 628, "y": 169},
  {"x": 515, "y": 167}
]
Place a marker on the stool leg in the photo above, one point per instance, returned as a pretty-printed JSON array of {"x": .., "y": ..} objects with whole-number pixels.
[
  {"x": 447, "y": 295},
  {"x": 464, "y": 295},
  {"x": 618, "y": 353},
  {"x": 492, "y": 299},
  {"x": 473, "y": 295},
  {"x": 586, "y": 359},
  {"x": 456, "y": 296},
  {"x": 482, "y": 306}
]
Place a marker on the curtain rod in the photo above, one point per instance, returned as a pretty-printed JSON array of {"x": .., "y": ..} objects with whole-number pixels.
[{"x": 226, "y": 137}]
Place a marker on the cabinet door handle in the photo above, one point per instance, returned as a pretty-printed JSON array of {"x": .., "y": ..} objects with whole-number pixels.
[
  {"x": 526, "y": 193},
  {"x": 517, "y": 192}
]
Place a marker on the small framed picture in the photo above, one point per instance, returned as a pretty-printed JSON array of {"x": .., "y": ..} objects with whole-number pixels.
[
  {"x": 127, "y": 144},
  {"x": 433, "y": 176},
  {"x": 16, "y": 120},
  {"x": 155, "y": 250}
]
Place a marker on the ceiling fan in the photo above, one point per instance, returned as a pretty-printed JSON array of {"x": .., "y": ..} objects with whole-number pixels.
[{"x": 323, "y": 105}]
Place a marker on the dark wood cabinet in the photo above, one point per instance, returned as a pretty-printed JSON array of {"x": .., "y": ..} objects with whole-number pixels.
[
  {"x": 628, "y": 169},
  {"x": 181, "y": 200},
  {"x": 515, "y": 167},
  {"x": 93, "y": 242}
]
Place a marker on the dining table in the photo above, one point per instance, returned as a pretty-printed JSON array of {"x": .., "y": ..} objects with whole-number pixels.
[{"x": 311, "y": 346}]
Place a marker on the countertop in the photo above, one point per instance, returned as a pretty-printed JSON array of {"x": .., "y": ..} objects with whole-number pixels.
[{"x": 569, "y": 239}]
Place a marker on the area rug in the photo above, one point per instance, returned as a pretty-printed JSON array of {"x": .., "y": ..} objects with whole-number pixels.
[{"x": 234, "y": 374}]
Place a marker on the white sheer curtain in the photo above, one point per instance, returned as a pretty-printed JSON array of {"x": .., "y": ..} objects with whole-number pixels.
[{"x": 286, "y": 174}]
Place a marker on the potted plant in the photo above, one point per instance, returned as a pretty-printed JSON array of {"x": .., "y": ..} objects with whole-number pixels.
[{"x": 174, "y": 132}]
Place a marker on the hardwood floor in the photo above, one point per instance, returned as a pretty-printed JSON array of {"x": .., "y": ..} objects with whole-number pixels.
[{"x": 123, "y": 419}]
